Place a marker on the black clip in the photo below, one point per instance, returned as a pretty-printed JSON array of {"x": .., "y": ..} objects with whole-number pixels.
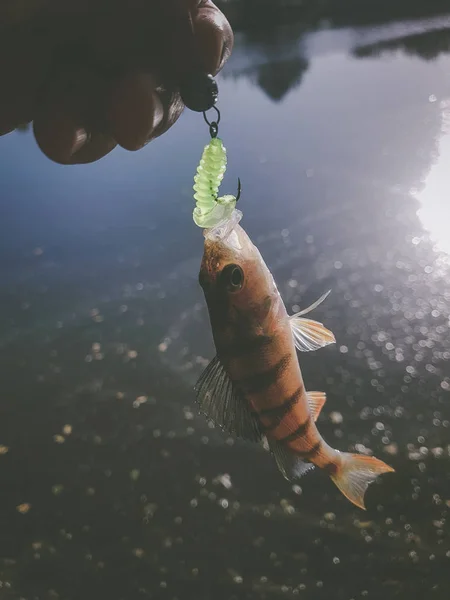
[{"x": 214, "y": 125}]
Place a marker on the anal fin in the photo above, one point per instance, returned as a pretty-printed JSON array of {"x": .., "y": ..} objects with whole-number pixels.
[{"x": 289, "y": 464}]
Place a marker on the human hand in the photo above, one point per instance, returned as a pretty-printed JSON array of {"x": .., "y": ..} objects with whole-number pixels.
[{"x": 92, "y": 74}]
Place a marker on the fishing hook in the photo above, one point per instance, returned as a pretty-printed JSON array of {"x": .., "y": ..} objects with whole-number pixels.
[{"x": 239, "y": 190}]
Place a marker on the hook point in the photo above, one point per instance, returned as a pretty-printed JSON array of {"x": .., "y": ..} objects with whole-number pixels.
[{"x": 239, "y": 190}]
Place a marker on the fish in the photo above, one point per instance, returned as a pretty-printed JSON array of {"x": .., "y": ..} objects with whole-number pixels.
[{"x": 253, "y": 388}]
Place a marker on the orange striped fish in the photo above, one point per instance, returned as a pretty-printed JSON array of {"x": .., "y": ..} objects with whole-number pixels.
[{"x": 253, "y": 388}]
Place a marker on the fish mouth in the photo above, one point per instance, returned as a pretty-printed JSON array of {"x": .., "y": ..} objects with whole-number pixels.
[
  {"x": 225, "y": 243},
  {"x": 222, "y": 246},
  {"x": 223, "y": 229}
]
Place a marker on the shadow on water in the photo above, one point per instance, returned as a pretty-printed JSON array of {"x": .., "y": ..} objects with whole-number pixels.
[{"x": 112, "y": 486}]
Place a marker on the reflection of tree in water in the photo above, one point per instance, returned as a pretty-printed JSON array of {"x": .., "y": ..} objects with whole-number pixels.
[
  {"x": 272, "y": 56},
  {"x": 276, "y": 79},
  {"x": 312, "y": 13},
  {"x": 271, "y": 36},
  {"x": 426, "y": 45}
]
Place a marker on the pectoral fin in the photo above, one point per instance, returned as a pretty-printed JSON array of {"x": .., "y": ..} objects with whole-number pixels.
[
  {"x": 224, "y": 405},
  {"x": 308, "y": 334}
]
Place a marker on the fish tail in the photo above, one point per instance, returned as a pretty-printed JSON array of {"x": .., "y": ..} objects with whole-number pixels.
[{"x": 354, "y": 474}]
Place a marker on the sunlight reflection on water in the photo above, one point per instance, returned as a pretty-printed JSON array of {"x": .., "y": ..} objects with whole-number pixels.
[{"x": 435, "y": 195}]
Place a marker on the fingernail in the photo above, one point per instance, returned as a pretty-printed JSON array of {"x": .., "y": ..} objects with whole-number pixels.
[
  {"x": 158, "y": 115},
  {"x": 223, "y": 56},
  {"x": 227, "y": 48},
  {"x": 158, "y": 112},
  {"x": 81, "y": 137}
]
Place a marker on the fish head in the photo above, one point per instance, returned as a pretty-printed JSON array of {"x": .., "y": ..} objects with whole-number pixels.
[{"x": 234, "y": 277}]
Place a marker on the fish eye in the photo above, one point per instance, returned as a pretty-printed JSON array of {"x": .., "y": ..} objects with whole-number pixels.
[{"x": 232, "y": 277}]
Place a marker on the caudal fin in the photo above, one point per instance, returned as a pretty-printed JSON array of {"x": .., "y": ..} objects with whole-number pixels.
[{"x": 355, "y": 473}]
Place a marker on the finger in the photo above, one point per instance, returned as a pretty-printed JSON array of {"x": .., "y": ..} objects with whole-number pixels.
[
  {"x": 135, "y": 110},
  {"x": 97, "y": 146},
  {"x": 67, "y": 125},
  {"x": 58, "y": 134},
  {"x": 4, "y": 129},
  {"x": 23, "y": 64},
  {"x": 173, "y": 108},
  {"x": 197, "y": 37},
  {"x": 62, "y": 139},
  {"x": 214, "y": 37}
]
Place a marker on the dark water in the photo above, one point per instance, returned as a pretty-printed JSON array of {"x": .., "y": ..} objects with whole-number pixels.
[{"x": 111, "y": 485}]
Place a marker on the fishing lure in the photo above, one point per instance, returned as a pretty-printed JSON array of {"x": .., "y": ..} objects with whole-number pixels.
[{"x": 211, "y": 209}]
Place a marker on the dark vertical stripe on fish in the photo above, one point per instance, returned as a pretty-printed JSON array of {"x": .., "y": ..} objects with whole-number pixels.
[
  {"x": 308, "y": 454},
  {"x": 244, "y": 345},
  {"x": 330, "y": 468},
  {"x": 258, "y": 382},
  {"x": 300, "y": 431},
  {"x": 277, "y": 413}
]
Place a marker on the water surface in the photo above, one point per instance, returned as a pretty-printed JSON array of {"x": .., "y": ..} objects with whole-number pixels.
[{"x": 112, "y": 485}]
